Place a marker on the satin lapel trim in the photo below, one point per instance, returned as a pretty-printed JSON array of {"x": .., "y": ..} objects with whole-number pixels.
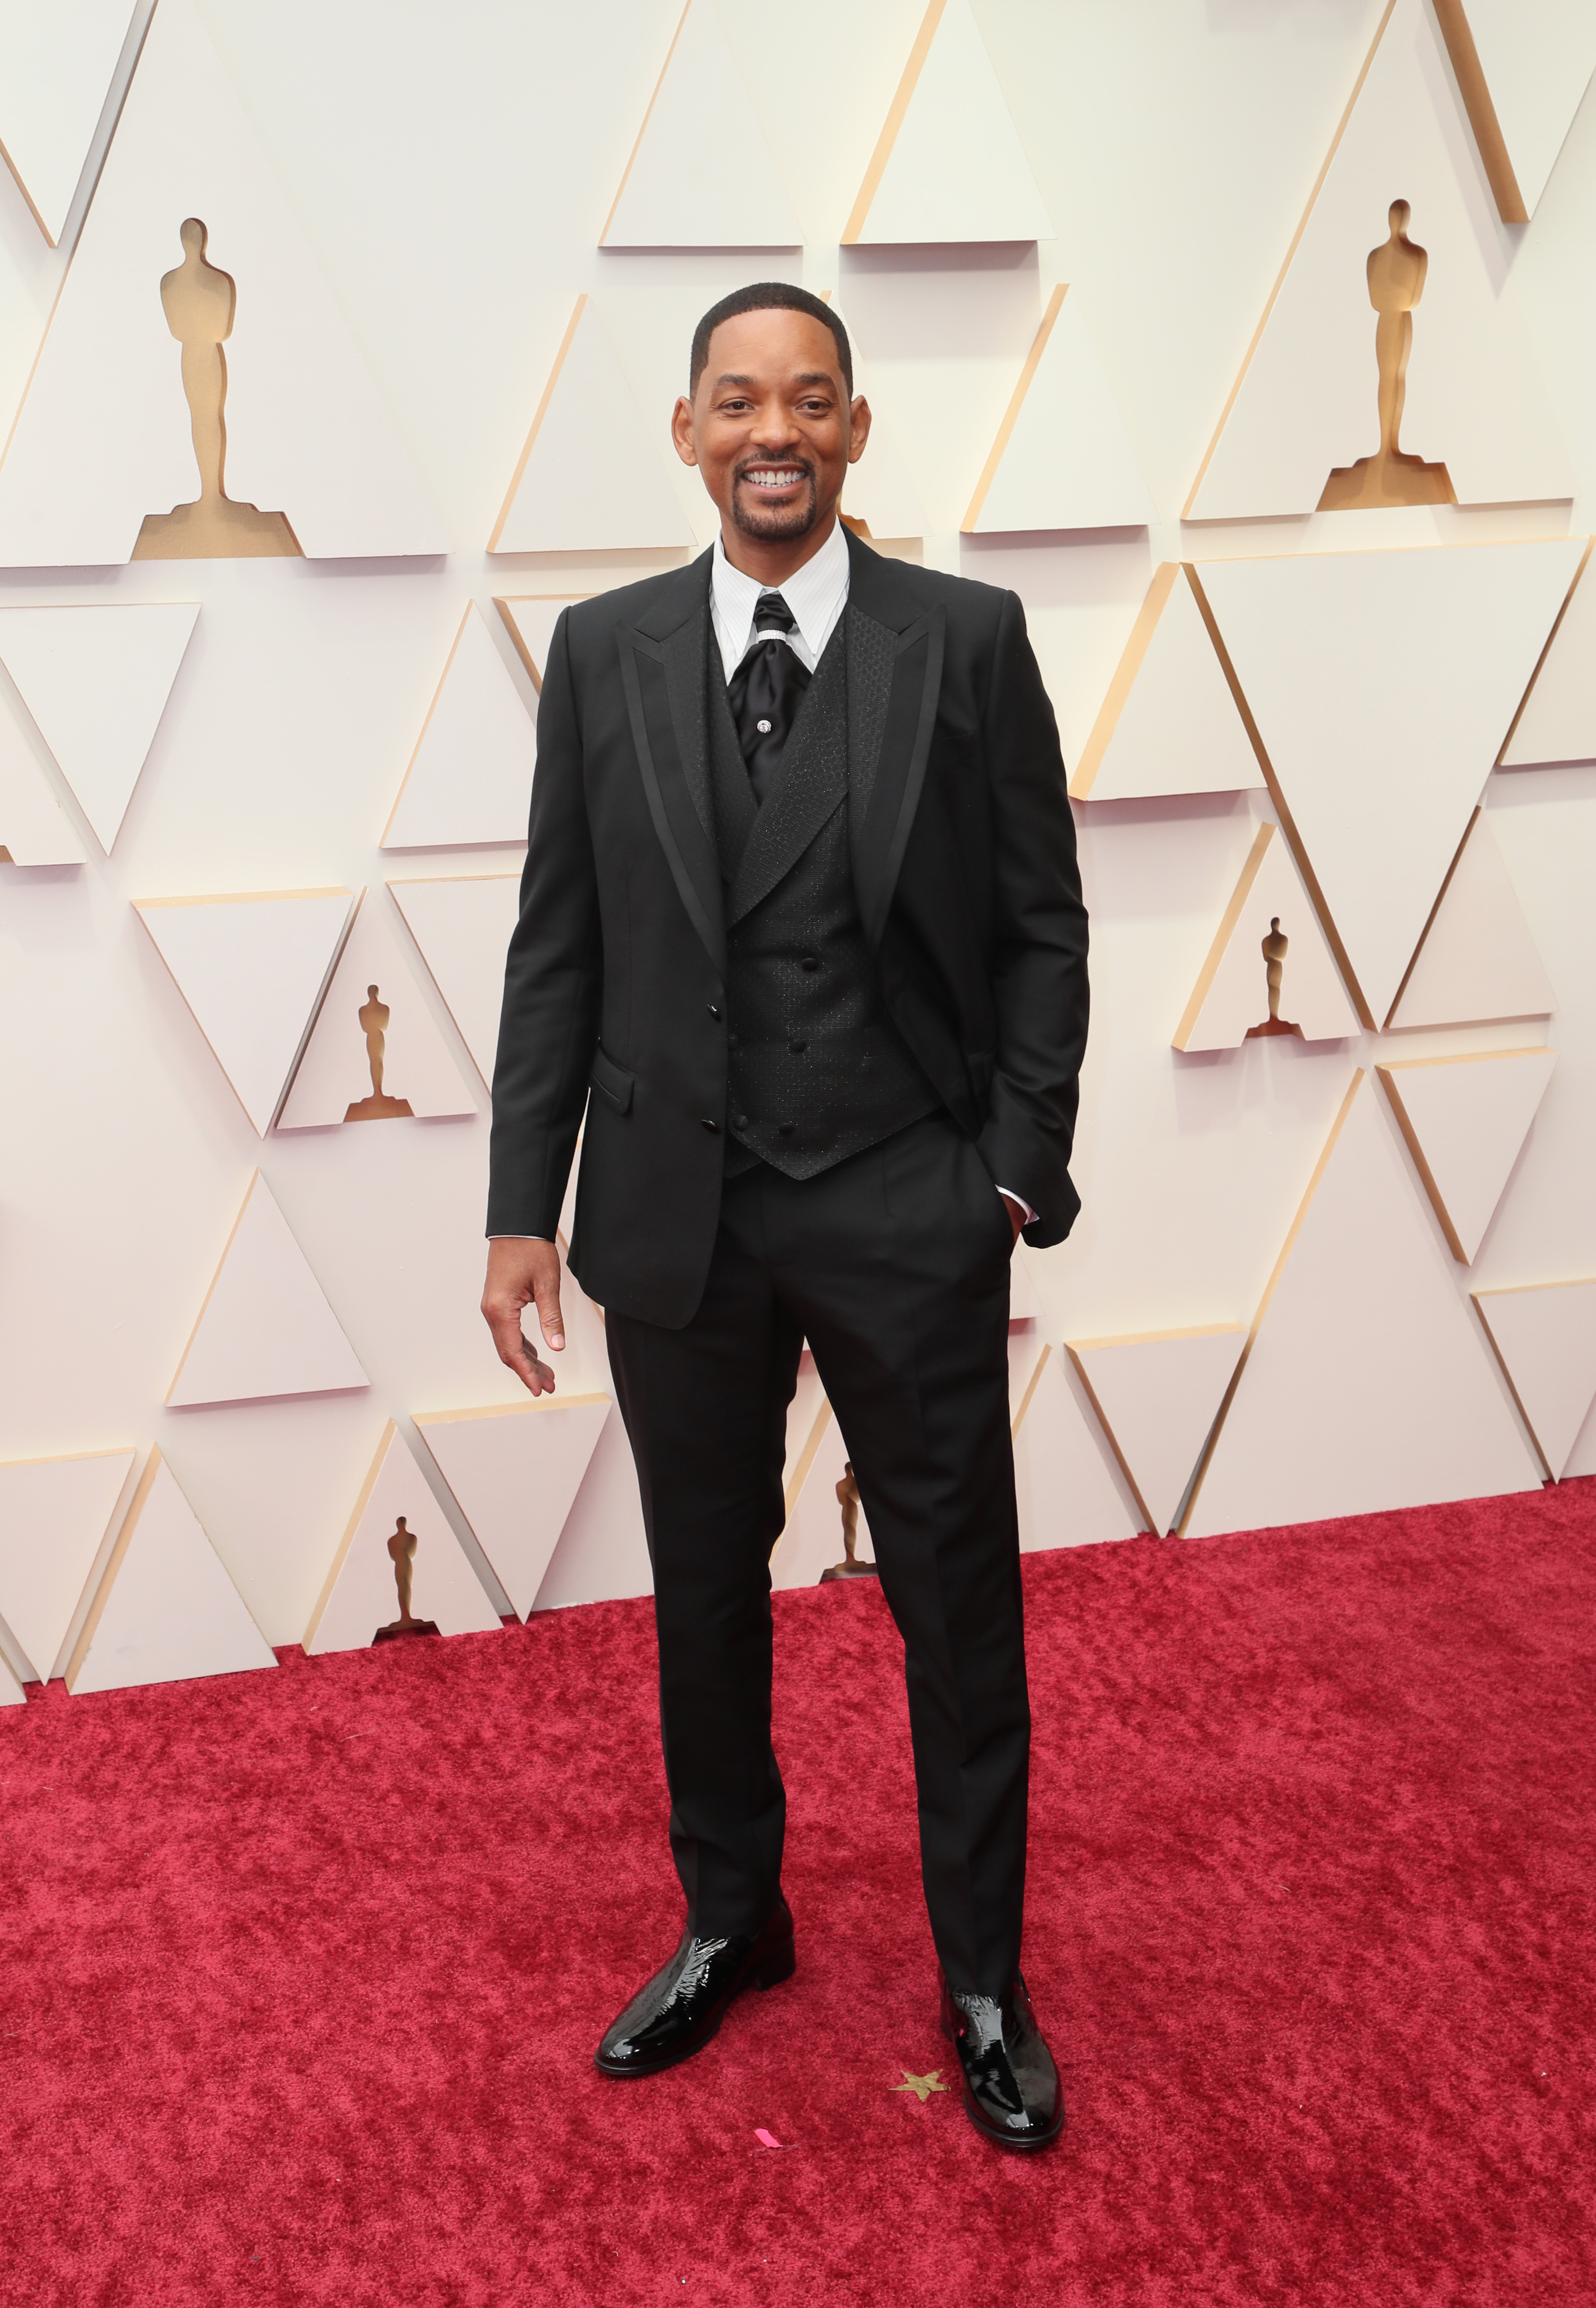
[
  {"x": 681, "y": 654},
  {"x": 812, "y": 783},
  {"x": 688, "y": 849},
  {"x": 909, "y": 719}
]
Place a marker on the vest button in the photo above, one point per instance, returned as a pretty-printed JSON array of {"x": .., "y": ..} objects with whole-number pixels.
[
  {"x": 714, "y": 1010},
  {"x": 711, "y": 1126},
  {"x": 809, "y": 962},
  {"x": 784, "y": 1129},
  {"x": 742, "y": 1121},
  {"x": 797, "y": 1048}
]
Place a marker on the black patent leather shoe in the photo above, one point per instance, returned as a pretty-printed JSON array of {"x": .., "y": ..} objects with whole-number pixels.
[
  {"x": 1010, "y": 2084},
  {"x": 682, "y": 2007}
]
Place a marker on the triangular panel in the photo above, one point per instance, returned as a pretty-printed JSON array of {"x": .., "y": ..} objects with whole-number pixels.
[
  {"x": 1545, "y": 1338},
  {"x": 1556, "y": 722},
  {"x": 1169, "y": 724},
  {"x": 250, "y": 969},
  {"x": 1378, "y": 683},
  {"x": 1065, "y": 1482},
  {"x": 1157, "y": 1394},
  {"x": 564, "y": 499},
  {"x": 879, "y": 494},
  {"x": 529, "y": 619},
  {"x": 1478, "y": 960},
  {"x": 53, "y": 1514},
  {"x": 265, "y": 1327},
  {"x": 514, "y": 1470},
  {"x": 1364, "y": 1384},
  {"x": 374, "y": 1052},
  {"x": 361, "y": 1592},
  {"x": 55, "y": 69},
  {"x": 463, "y": 925},
  {"x": 701, "y": 174},
  {"x": 1062, "y": 458},
  {"x": 1465, "y": 1120},
  {"x": 1269, "y": 924},
  {"x": 948, "y": 165},
  {"x": 96, "y": 679},
  {"x": 469, "y": 782},
  {"x": 166, "y": 1609},
  {"x": 11, "y": 1693},
  {"x": 34, "y": 829},
  {"x": 103, "y": 439},
  {"x": 603, "y": 1550},
  {"x": 1521, "y": 72},
  {"x": 1306, "y": 403}
]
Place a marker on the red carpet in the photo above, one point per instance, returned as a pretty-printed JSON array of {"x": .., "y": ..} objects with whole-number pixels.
[{"x": 300, "y": 1973}]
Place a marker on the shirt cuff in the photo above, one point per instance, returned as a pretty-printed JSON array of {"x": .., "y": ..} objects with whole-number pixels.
[{"x": 1020, "y": 1204}]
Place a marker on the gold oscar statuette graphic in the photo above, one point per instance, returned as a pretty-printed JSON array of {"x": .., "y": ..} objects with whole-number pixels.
[
  {"x": 198, "y": 302},
  {"x": 401, "y": 1549},
  {"x": 1396, "y": 271},
  {"x": 375, "y": 1014},
  {"x": 848, "y": 1499},
  {"x": 1274, "y": 948}
]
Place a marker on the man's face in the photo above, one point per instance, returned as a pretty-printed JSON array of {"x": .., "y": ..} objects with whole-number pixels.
[{"x": 770, "y": 426}]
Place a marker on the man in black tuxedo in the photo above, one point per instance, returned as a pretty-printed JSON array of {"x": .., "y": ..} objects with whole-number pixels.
[{"x": 802, "y": 930}]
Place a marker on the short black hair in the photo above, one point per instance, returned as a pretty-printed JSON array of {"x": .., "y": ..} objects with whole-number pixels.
[{"x": 766, "y": 297}]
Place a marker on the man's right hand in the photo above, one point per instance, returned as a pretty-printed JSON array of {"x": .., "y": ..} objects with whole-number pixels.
[{"x": 520, "y": 1273}]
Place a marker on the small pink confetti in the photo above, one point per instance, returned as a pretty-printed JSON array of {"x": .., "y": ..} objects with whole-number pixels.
[{"x": 764, "y": 2139}]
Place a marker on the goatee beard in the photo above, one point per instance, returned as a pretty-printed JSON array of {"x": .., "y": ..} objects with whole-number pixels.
[{"x": 779, "y": 525}]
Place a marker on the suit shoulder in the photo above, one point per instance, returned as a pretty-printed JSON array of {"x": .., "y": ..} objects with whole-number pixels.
[
  {"x": 969, "y": 603},
  {"x": 592, "y": 620}
]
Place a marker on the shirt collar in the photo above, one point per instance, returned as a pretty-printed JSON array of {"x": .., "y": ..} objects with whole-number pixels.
[{"x": 812, "y": 593}]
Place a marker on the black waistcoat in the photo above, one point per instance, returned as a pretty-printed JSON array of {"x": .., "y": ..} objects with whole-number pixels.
[{"x": 817, "y": 1068}]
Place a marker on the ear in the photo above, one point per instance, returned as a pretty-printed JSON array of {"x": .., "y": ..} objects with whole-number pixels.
[
  {"x": 858, "y": 429},
  {"x": 682, "y": 431}
]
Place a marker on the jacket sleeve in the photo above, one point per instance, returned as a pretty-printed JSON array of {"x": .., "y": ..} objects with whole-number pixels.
[
  {"x": 554, "y": 976},
  {"x": 1039, "y": 955}
]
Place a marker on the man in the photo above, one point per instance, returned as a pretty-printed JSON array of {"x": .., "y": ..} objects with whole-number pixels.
[{"x": 801, "y": 913}]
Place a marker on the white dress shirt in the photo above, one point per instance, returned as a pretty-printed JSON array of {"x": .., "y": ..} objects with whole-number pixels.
[{"x": 817, "y": 595}]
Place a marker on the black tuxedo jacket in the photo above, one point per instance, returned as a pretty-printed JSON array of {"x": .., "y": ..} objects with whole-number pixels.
[{"x": 963, "y": 851}]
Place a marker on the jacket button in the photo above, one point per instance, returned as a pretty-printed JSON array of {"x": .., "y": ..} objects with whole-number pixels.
[
  {"x": 714, "y": 1009},
  {"x": 785, "y": 1129},
  {"x": 711, "y": 1126},
  {"x": 809, "y": 962},
  {"x": 742, "y": 1121},
  {"x": 797, "y": 1048}
]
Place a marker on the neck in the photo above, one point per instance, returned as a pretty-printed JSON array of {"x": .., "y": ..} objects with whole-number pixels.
[{"x": 771, "y": 561}]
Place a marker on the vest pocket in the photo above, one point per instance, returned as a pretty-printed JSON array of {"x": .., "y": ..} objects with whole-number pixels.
[{"x": 613, "y": 1084}]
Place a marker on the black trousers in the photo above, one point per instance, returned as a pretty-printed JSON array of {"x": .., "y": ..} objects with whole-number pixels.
[{"x": 894, "y": 1266}]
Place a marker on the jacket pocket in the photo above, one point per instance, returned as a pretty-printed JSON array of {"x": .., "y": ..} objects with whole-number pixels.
[{"x": 613, "y": 1084}]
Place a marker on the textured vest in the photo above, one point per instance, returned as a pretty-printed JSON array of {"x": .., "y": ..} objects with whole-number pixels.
[{"x": 817, "y": 1068}]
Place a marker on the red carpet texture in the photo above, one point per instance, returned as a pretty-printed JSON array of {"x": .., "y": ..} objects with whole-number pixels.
[{"x": 300, "y": 1974}]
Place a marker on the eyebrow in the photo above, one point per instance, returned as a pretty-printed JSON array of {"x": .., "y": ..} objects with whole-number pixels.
[{"x": 810, "y": 376}]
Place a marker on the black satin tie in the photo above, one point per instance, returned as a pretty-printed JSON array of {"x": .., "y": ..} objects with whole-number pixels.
[{"x": 764, "y": 693}]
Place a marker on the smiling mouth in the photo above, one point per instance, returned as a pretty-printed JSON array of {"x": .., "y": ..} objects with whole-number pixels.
[{"x": 773, "y": 480}]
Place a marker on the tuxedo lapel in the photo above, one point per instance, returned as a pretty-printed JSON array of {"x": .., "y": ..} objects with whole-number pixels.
[
  {"x": 662, "y": 674},
  {"x": 895, "y": 677}
]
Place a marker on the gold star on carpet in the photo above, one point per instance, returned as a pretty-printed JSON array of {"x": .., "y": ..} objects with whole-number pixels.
[{"x": 922, "y": 2086}]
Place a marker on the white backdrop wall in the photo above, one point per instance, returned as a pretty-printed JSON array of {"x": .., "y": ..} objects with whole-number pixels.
[{"x": 450, "y": 172}]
